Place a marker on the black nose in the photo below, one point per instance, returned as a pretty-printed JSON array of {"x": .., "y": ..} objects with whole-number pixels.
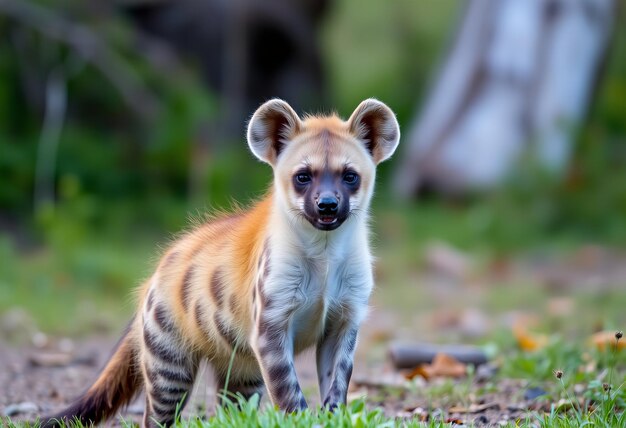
[{"x": 327, "y": 204}]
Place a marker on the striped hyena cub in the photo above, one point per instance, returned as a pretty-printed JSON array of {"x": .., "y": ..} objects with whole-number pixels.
[{"x": 293, "y": 271}]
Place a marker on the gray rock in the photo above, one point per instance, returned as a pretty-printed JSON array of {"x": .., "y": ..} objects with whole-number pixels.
[
  {"x": 20, "y": 408},
  {"x": 17, "y": 325}
]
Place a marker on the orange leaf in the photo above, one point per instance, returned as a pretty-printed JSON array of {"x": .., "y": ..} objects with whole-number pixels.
[
  {"x": 606, "y": 340},
  {"x": 527, "y": 341},
  {"x": 443, "y": 365},
  {"x": 421, "y": 370}
]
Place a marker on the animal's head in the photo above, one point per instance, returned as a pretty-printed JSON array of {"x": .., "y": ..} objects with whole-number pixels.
[{"x": 324, "y": 167}]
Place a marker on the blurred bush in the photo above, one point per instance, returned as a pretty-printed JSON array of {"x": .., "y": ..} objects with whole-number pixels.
[
  {"x": 125, "y": 139},
  {"x": 141, "y": 143}
]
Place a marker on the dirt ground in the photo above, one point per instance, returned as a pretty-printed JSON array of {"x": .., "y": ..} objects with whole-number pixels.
[
  {"x": 449, "y": 302},
  {"x": 38, "y": 381}
]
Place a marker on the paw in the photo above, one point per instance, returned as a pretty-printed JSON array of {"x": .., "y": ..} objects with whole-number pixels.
[
  {"x": 331, "y": 407},
  {"x": 331, "y": 403},
  {"x": 297, "y": 406}
]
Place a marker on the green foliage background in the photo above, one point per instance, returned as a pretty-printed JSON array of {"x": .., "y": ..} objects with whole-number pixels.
[{"x": 125, "y": 182}]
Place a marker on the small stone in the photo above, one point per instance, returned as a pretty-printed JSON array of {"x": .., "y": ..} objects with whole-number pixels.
[
  {"x": 534, "y": 393},
  {"x": 66, "y": 345},
  {"x": 436, "y": 414},
  {"x": 474, "y": 323},
  {"x": 486, "y": 372},
  {"x": 448, "y": 261},
  {"x": 136, "y": 408},
  {"x": 17, "y": 325},
  {"x": 356, "y": 395},
  {"x": 20, "y": 408},
  {"x": 40, "y": 340},
  {"x": 481, "y": 419},
  {"x": 50, "y": 360}
]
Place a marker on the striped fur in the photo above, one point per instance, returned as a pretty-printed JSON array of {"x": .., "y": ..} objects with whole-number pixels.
[{"x": 265, "y": 283}]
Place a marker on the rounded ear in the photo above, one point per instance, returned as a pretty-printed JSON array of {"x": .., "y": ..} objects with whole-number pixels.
[
  {"x": 375, "y": 124},
  {"x": 272, "y": 126}
]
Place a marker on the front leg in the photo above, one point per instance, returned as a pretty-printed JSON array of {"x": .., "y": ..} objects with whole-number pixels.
[
  {"x": 274, "y": 350},
  {"x": 335, "y": 356}
]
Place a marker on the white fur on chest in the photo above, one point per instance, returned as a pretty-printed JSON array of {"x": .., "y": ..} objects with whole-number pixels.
[{"x": 320, "y": 278}]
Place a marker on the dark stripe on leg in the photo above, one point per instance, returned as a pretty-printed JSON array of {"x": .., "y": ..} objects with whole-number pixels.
[
  {"x": 166, "y": 401},
  {"x": 160, "y": 351},
  {"x": 167, "y": 389},
  {"x": 163, "y": 320},
  {"x": 279, "y": 371},
  {"x": 283, "y": 388},
  {"x": 173, "y": 375},
  {"x": 351, "y": 339}
]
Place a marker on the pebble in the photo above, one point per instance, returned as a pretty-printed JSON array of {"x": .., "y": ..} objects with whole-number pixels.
[
  {"x": 534, "y": 393},
  {"x": 50, "y": 359},
  {"x": 448, "y": 261},
  {"x": 24, "y": 407},
  {"x": 486, "y": 372},
  {"x": 66, "y": 345},
  {"x": 40, "y": 340},
  {"x": 136, "y": 408},
  {"x": 17, "y": 325},
  {"x": 481, "y": 419}
]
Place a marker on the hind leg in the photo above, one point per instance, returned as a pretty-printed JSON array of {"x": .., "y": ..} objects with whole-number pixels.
[
  {"x": 169, "y": 369},
  {"x": 246, "y": 387}
]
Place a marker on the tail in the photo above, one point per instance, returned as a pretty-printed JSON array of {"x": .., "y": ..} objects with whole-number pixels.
[{"x": 116, "y": 386}]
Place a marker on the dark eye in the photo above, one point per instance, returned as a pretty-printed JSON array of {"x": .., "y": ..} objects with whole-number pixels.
[
  {"x": 350, "y": 177},
  {"x": 303, "y": 178}
]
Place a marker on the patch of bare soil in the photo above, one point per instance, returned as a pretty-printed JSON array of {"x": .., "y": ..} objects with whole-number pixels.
[
  {"x": 479, "y": 402},
  {"x": 35, "y": 382}
]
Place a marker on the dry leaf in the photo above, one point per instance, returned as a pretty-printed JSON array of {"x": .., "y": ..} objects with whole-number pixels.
[
  {"x": 474, "y": 408},
  {"x": 529, "y": 341},
  {"x": 443, "y": 365},
  {"x": 51, "y": 359},
  {"x": 606, "y": 340}
]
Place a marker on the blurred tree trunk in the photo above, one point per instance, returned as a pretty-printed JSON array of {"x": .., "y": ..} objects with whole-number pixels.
[{"x": 519, "y": 76}]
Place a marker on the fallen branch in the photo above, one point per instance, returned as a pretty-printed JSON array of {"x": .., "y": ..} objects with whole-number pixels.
[{"x": 409, "y": 355}]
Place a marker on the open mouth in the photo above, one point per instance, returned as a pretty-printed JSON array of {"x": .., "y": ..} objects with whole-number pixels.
[{"x": 327, "y": 220}]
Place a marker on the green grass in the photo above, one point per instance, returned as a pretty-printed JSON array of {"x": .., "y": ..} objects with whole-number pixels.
[{"x": 247, "y": 414}]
